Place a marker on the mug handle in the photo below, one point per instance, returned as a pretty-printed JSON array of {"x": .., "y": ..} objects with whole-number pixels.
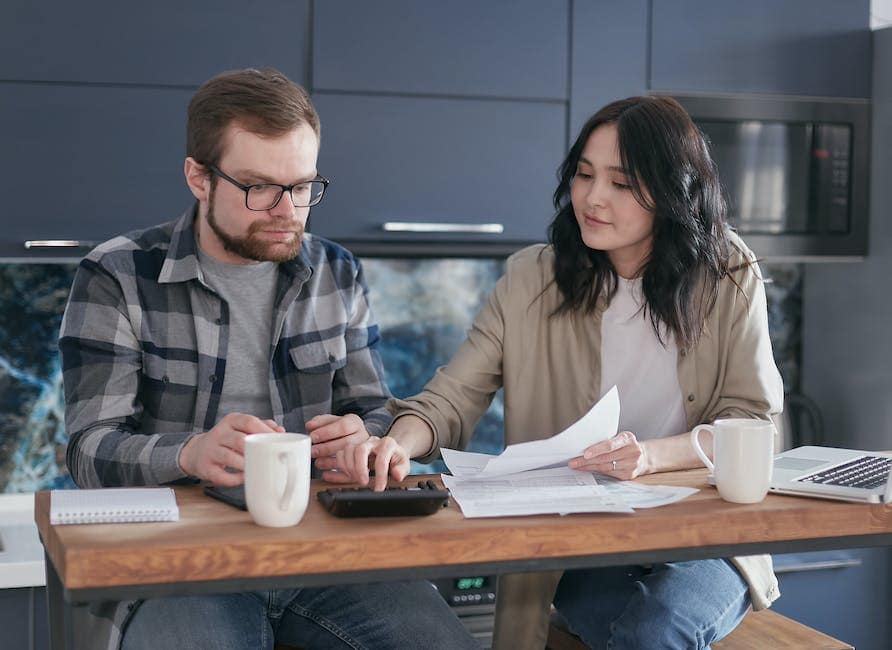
[
  {"x": 695, "y": 443},
  {"x": 290, "y": 460}
]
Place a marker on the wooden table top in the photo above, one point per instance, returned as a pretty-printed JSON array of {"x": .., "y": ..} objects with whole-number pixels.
[{"x": 213, "y": 541}]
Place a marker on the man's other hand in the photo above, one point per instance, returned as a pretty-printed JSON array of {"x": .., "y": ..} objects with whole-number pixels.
[
  {"x": 208, "y": 455},
  {"x": 385, "y": 455},
  {"x": 332, "y": 433}
]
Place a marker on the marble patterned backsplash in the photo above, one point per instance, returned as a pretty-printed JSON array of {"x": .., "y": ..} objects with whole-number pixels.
[
  {"x": 32, "y": 408},
  {"x": 424, "y": 307}
]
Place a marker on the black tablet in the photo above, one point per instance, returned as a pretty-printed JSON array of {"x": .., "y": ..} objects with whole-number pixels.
[{"x": 234, "y": 496}]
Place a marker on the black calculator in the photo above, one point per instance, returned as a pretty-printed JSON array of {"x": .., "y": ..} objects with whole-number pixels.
[{"x": 425, "y": 499}]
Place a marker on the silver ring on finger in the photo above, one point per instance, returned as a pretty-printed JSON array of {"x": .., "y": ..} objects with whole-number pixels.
[{"x": 613, "y": 463}]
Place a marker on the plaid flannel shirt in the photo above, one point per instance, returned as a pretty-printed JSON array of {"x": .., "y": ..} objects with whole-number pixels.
[{"x": 144, "y": 343}]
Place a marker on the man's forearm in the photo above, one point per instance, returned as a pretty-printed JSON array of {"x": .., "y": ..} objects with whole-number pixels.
[{"x": 108, "y": 456}]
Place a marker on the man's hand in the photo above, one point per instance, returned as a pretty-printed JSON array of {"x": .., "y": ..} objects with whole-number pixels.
[
  {"x": 623, "y": 456},
  {"x": 207, "y": 455},
  {"x": 385, "y": 455},
  {"x": 332, "y": 433}
]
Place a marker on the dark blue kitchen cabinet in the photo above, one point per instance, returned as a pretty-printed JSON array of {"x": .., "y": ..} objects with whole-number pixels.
[
  {"x": 464, "y": 162},
  {"x": 842, "y": 593},
  {"x": 93, "y": 104},
  {"x": 505, "y": 48},
  {"x": 167, "y": 42},
  {"x": 452, "y": 112},
  {"x": 798, "y": 47},
  {"x": 87, "y": 163},
  {"x": 23, "y": 618},
  {"x": 609, "y": 56}
]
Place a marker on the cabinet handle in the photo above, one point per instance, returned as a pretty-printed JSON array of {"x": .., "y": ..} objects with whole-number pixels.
[
  {"x": 58, "y": 243},
  {"x": 817, "y": 566},
  {"x": 420, "y": 226}
]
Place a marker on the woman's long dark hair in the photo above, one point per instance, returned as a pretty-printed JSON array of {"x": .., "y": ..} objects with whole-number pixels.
[{"x": 668, "y": 161}]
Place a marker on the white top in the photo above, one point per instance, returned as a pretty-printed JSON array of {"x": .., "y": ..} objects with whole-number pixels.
[{"x": 644, "y": 371}]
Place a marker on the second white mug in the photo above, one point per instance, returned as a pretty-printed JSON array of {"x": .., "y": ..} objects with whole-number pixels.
[
  {"x": 743, "y": 453},
  {"x": 277, "y": 477}
]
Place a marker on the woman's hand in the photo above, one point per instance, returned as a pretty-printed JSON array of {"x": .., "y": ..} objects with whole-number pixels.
[
  {"x": 352, "y": 463},
  {"x": 621, "y": 456}
]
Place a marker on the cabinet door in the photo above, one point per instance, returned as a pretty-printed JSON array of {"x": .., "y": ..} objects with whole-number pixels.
[
  {"x": 503, "y": 48},
  {"x": 161, "y": 42},
  {"x": 609, "y": 56},
  {"x": 88, "y": 163},
  {"x": 466, "y": 162},
  {"x": 842, "y": 593},
  {"x": 23, "y": 618},
  {"x": 802, "y": 47}
]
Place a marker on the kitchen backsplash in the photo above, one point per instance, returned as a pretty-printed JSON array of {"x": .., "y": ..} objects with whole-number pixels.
[{"x": 424, "y": 307}]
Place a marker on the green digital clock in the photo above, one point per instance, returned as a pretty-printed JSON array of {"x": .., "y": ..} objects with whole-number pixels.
[{"x": 471, "y": 583}]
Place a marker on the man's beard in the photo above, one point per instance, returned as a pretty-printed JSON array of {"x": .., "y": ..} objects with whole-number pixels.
[{"x": 251, "y": 248}]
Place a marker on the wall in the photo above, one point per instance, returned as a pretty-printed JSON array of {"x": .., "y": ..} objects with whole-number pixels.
[
  {"x": 419, "y": 332},
  {"x": 880, "y": 14},
  {"x": 847, "y": 344}
]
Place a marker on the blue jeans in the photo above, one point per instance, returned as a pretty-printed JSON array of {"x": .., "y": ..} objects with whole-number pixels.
[
  {"x": 674, "y": 605},
  {"x": 392, "y": 615}
]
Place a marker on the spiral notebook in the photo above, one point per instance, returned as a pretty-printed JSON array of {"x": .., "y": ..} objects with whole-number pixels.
[{"x": 112, "y": 505}]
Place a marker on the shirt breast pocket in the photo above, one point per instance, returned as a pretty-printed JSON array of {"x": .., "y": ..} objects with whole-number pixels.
[
  {"x": 312, "y": 383},
  {"x": 168, "y": 384},
  {"x": 320, "y": 357}
]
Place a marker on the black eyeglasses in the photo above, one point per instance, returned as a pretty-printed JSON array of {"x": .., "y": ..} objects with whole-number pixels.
[{"x": 266, "y": 196}]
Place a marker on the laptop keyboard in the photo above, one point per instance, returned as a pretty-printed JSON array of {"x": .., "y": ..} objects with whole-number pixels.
[{"x": 865, "y": 472}]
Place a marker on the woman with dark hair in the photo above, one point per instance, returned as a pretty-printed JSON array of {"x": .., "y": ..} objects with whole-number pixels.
[{"x": 643, "y": 286}]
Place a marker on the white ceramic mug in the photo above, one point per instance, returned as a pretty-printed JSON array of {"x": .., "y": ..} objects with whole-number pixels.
[
  {"x": 277, "y": 477},
  {"x": 743, "y": 452}
]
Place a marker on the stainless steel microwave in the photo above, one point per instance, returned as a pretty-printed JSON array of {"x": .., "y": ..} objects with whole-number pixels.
[{"x": 795, "y": 170}]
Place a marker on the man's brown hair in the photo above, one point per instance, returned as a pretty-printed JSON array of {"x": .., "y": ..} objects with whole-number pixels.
[{"x": 264, "y": 101}]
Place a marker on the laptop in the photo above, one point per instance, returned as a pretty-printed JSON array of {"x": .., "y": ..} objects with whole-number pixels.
[{"x": 833, "y": 473}]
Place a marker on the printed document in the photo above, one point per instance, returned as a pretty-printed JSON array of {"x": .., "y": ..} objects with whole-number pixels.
[
  {"x": 532, "y": 478},
  {"x": 598, "y": 424},
  {"x": 638, "y": 495},
  {"x": 535, "y": 492}
]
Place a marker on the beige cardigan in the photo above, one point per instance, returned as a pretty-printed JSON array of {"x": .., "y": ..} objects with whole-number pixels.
[{"x": 550, "y": 371}]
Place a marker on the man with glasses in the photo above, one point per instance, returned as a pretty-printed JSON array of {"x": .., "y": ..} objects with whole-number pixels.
[{"x": 180, "y": 340}]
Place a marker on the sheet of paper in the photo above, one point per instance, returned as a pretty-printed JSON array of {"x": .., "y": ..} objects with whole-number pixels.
[
  {"x": 546, "y": 491},
  {"x": 464, "y": 463},
  {"x": 532, "y": 478},
  {"x": 598, "y": 424},
  {"x": 637, "y": 495}
]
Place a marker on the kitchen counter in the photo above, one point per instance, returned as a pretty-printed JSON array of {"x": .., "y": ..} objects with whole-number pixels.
[{"x": 21, "y": 554}]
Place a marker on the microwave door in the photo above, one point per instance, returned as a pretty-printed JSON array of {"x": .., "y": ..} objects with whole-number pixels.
[{"x": 764, "y": 169}]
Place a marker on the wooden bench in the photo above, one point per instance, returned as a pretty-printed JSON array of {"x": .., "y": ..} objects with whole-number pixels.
[{"x": 765, "y": 630}]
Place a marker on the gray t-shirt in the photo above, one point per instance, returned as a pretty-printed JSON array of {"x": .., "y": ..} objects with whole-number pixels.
[{"x": 249, "y": 291}]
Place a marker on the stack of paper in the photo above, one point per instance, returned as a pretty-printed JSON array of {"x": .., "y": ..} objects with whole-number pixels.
[
  {"x": 534, "y": 492},
  {"x": 533, "y": 478}
]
